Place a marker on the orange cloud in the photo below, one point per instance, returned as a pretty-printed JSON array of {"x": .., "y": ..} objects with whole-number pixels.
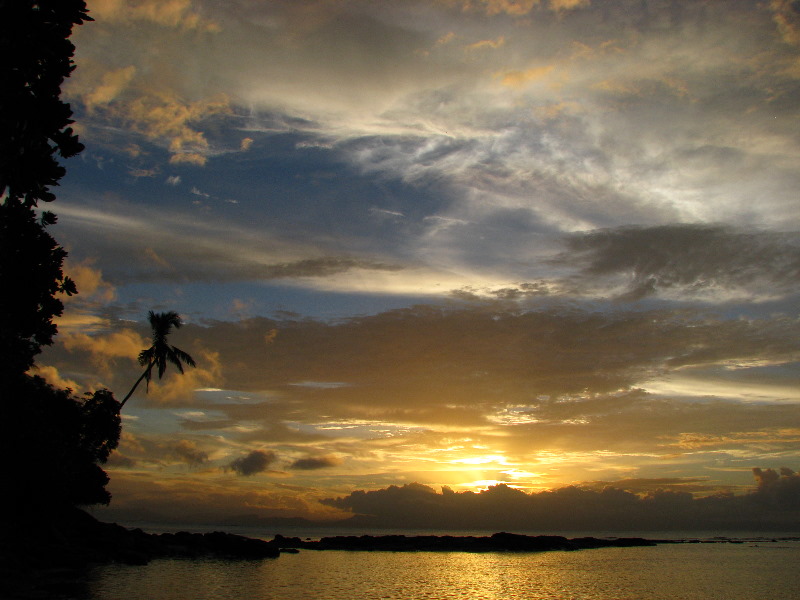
[
  {"x": 105, "y": 349},
  {"x": 52, "y": 376},
  {"x": 520, "y": 78},
  {"x": 771, "y": 438},
  {"x": 510, "y": 7},
  {"x": 168, "y": 13},
  {"x": 445, "y": 39},
  {"x": 787, "y": 20},
  {"x": 568, "y": 4},
  {"x": 111, "y": 85},
  {"x": 494, "y": 44},
  {"x": 516, "y": 8},
  {"x": 161, "y": 115},
  {"x": 89, "y": 281},
  {"x": 190, "y": 158},
  {"x": 179, "y": 389}
]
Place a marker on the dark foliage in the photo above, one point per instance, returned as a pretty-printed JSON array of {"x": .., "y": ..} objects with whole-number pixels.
[
  {"x": 55, "y": 443},
  {"x": 34, "y": 131},
  {"x": 30, "y": 277},
  {"x": 34, "y": 122}
]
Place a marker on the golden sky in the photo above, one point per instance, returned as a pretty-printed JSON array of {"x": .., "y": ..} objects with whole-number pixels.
[{"x": 450, "y": 243}]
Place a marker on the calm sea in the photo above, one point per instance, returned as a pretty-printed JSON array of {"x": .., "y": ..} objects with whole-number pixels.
[{"x": 755, "y": 569}]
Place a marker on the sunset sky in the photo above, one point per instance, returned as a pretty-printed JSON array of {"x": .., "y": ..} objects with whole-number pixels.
[{"x": 446, "y": 242}]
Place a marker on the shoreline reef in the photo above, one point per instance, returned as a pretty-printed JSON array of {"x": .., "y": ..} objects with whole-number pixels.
[
  {"x": 497, "y": 542},
  {"x": 41, "y": 556}
]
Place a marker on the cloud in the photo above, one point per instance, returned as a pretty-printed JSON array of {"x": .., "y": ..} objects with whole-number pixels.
[
  {"x": 253, "y": 463},
  {"x": 568, "y": 4},
  {"x": 483, "y": 44},
  {"x": 689, "y": 258},
  {"x": 54, "y": 378},
  {"x": 145, "y": 450},
  {"x": 442, "y": 117},
  {"x": 167, "y": 246},
  {"x": 167, "y": 13},
  {"x": 104, "y": 349},
  {"x": 162, "y": 116},
  {"x": 322, "y": 267},
  {"x": 127, "y": 97},
  {"x": 153, "y": 257},
  {"x": 517, "y": 8},
  {"x": 198, "y": 496},
  {"x": 89, "y": 281},
  {"x": 494, "y": 7},
  {"x": 180, "y": 388},
  {"x": 500, "y": 507},
  {"x": 647, "y": 486},
  {"x": 663, "y": 115},
  {"x": 137, "y": 173},
  {"x": 313, "y": 463},
  {"x": 777, "y": 491},
  {"x": 553, "y": 393},
  {"x": 189, "y": 158},
  {"x": 521, "y": 78},
  {"x": 189, "y": 452},
  {"x": 787, "y": 18},
  {"x": 112, "y": 84},
  {"x": 773, "y": 437},
  {"x": 118, "y": 460},
  {"x": 417, "y": 392}
]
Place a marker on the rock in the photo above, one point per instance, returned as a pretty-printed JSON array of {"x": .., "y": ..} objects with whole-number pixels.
[
  {"x": 39, "y": 555},
  {"x": 498, "y": 542}
]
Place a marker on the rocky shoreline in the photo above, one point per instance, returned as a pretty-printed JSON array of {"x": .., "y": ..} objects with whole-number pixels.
[
  {"x": 41, "y": 558},
  {"x": 498, "y": 542},
  {"x": 46, "y": 558}
]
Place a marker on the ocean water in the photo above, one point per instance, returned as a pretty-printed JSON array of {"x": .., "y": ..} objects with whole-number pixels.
[{"x": 752, "y": 570}]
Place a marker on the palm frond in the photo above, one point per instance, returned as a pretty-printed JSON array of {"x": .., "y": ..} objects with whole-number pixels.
[
  {"x": 162, "y": 324},
  {"x": 161, "y": 353},
  {"x": 184, "y": 356},
  {"x": 145, "y": 356}
]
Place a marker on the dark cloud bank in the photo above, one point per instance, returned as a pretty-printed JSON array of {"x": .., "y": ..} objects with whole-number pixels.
[
  {"x": 773, "y": 505},
  {"x": 252, "y": 463},
  {"x": 687, "y": 257}
]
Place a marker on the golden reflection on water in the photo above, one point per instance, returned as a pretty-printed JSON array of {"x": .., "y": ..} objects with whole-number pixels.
[{"x": 684, "y": 572}]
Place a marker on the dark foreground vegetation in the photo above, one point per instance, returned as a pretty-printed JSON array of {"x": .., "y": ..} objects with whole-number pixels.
[
  {"x": 53, "y": 442},
  {"x": 55, "y": 553}
]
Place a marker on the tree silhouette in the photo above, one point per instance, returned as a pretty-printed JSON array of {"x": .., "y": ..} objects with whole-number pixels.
[
  {"x": 34, "y": 132},
  {"x": 54, "y": 441},
  {"x": 31, "y": 276},
  {"x": 34, "y": 123},
  {"x": 59, "y": 442},
  {"x": 160, "y": 353}
]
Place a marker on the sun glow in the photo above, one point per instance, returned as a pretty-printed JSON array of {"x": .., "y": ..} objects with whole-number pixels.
[
  {"x": 520, "y": 474},
  {"x": 482, "y": 485},
  {"x": 481, "y": 460}
]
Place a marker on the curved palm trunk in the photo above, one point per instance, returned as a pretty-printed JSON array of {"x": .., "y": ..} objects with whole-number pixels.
[{"x": 145, "y": 375}]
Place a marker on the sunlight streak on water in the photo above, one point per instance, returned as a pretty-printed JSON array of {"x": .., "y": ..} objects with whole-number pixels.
[{"x": 687, "y": 572}]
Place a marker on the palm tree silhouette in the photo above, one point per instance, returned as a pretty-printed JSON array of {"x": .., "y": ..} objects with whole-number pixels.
[{"x": 160, "y": 353}]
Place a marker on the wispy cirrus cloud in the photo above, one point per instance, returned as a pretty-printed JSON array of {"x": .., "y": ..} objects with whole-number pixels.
[{"x": 559, "y": 237}]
